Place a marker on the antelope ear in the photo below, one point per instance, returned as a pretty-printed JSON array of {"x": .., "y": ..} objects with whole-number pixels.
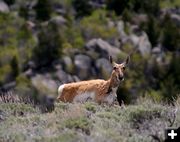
[{"x": 127, "y": 60}]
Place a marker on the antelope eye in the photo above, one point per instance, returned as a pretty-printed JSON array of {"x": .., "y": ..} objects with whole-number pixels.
[
  {"x": 123, "y": 68},
  {"x": 114, "y": 68}
]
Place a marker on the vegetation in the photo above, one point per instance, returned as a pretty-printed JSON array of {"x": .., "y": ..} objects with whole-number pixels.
[
  {"x": 84, "y": 122},
  {"x": 35, "y": 37},
  {"x": 83, "y": 8},
  {"x": 49, "y": 46},
  {"x": 146, "y": 6}
]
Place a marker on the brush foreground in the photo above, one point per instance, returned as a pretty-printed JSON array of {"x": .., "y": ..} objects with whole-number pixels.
[{"x": 86, "y": 122}]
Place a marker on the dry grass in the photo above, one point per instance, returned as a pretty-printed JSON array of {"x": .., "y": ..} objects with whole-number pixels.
[{"x": 87, "y": 122}]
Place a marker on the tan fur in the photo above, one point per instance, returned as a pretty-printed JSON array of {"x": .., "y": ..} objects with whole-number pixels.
[{"x": 102, "y": 89}]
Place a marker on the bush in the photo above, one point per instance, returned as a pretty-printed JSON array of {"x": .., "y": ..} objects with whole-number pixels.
[
  {"x": 78, "y": 123},
  {"x": 96, "y": 26},
  {"x": 23, "y": 12},
  {"x": 25, "y": 89},
  {"x": 73, "y": 37},
  {"x": 49, "y": 46},
  {"x": 117, "y": 5},
  {"x": 15, "y": 66},
  {"x": 171, "y": 34},
  {"x": 126, "y": 15},
  {"x": 5, "y": 74},
  {"x": 43, "y": 10},
  {"x": 146, "y": 6},
  {"x": 82, "y": 7},
  {"x": 170, "y": 84},
  {"x": 139, "y": 6},
  {"x": 153, "y": 29},
  {"x": 10, "y": 2}
]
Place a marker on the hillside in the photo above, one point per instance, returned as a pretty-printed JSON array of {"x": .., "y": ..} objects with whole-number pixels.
[
  {"x": 46, "y": 43},
  {"x": 87, "y": 122}
]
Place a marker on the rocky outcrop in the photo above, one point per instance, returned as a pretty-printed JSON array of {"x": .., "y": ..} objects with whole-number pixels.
[
  {"x": 104, "y": 68},
  {"x": 176, "y": 18},
  {"x": 103, "y": 48},
  {"x": 4, "y": 7},
  {"x": 44, "y": 83},
  {"x": 83, "y": 66},
  {"x": 63, "y": 77},
  {"x": 58, "y": 20}
]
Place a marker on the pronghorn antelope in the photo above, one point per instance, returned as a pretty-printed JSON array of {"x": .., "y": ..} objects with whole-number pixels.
[{"x": 100, "y": 91}]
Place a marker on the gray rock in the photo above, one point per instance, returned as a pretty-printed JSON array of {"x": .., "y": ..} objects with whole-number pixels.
[
  {"x": 44, "y": 84},
  {"x": 83, "y": 66},
  {"x": 120, "y": 29},
  {"x": 29, "y": 73},
  {"x": 31, "y": 64},
  {"x": 103, "y": 48},
  {"x": 58, "y": 20},
  {"x": 4, "y": 7},
  {"x": 134, "y": 39},
  {"x": 7, "y": 86},
  {"x": 75, "y": 78},
  {"x": 68, "y": 64},
  {"x": 104, "y": 68},
  {"x": 63, "y": 77},
  {"x": 156, "y": 50},
  {"x": 144, "y": 46},
  {"x": 176, "y": 18},
  {"x": 139, "y": 18}
]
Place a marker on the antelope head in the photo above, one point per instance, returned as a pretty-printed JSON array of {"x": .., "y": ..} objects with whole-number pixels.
[{"x": 118, "y": 71}]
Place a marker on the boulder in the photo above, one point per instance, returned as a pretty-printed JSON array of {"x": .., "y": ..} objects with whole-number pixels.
[
  {"x": 103, "y": 48},
  {"x": 68, "y": 64},
  {"x": 134, "y": 39},
  {"x": 4, "y": 7},
  {"x": 58, "y": 20},
  {"x": 176, "y": 19},
  {"x": 157, "y": 50},
  {"x": 104, "y": 68},
  {"x": 83, "y": 66},
  {"x": 144, "y": 45},
  {"x": 120, "y": 29},
  {"x": 63, "y": 77},
  {"x": 44, "y": 84}
]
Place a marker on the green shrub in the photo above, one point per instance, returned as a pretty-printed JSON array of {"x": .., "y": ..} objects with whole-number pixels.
[
  {"x": 171, "y": 34},
  {"x": 15, "y": 40},
  {"x": 126, "y": 15},
  {"x": 117, "y": 5},
  {"x": 152, "y": 28},
  {"x": 43, "y": 10},
  {"x": 146, "y": 6},
  {"x": 73, "y": 37},
  {"x": 169, "y": 3},
  {"x": 96, "y": 26},
  {"x": 139, "y": 6},
  {"x": 7, "y": 54},
  {"x": 49, "y": 45},
  {"x": 15, "y": 66},
  {"x": 78, "y": 123},
  {"x": 5, "y": 74},
  {"x": 23, "y": 12},
  {"x": 82, "y": 7},
  {"x": 10, "y": 2},
  {"x": 90, "y": 107},
  {"x": 25, "y": 89}
]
